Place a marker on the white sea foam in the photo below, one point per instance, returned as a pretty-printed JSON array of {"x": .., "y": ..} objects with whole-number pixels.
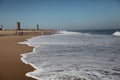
[
  {"x": 73, "y": 56},
  {"x": 117, "y": 33},
  {"x": 72, "y": 33},
  {"x": 69, "y": 32}
]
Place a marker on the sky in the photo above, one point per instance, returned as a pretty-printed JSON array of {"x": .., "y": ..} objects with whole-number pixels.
[{"x": 61, "y": 14}]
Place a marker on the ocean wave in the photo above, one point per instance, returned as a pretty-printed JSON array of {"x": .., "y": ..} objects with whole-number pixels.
[
  {"x": 69, "y": 32},
  {"x": 72, "y": 33},
  {"x": 117, "y": 33},
  {"x": 73, "y": 57}
]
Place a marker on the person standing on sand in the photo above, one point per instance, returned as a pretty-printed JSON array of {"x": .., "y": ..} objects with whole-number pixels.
[{"x": 19, "y": 33}]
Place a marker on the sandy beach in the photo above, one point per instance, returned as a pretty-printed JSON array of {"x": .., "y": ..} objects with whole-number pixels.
[{"x": 11, "y": 67}]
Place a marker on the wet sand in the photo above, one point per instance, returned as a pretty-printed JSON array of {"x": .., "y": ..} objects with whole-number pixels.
[{"x": 11, "y": 67}]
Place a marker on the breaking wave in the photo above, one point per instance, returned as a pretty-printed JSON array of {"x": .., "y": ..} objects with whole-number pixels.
[{"x": 117, "y": 33}]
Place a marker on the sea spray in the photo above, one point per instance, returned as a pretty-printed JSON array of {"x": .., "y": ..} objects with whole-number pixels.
[{"x": 117, "y": 33}]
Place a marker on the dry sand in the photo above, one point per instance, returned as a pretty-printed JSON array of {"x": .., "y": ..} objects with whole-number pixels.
[{"x": 11, "y": 67}]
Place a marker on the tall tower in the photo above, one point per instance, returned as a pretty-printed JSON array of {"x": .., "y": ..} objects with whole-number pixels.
[
  {"x": 1, "y": 26},
  {"x": 17, "y": 25},
  {"x": 37, "y": 26}
]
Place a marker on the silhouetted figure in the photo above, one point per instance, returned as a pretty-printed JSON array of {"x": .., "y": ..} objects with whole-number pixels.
[{"x": 19, "y": 33}]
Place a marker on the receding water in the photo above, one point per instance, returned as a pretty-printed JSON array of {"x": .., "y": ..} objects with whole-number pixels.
[{"x": 74, "y": 56}]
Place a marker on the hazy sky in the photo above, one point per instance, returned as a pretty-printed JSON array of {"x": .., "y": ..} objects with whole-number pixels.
[{"x": 61, "y": 14}]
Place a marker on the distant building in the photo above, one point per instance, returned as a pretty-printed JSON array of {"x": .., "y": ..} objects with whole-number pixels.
[
  {"x": 1, "y": 28},
  {"x": 17, "y": 25},
  {"x": 37, "y": 26}
]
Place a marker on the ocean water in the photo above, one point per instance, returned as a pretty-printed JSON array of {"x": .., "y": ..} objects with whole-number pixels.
[{"x": 74, "y": 56}]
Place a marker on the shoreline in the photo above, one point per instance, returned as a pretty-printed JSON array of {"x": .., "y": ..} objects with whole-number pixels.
[
  {"x": 11, "y": 66},
  {"x": 28, "y": 74}
]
